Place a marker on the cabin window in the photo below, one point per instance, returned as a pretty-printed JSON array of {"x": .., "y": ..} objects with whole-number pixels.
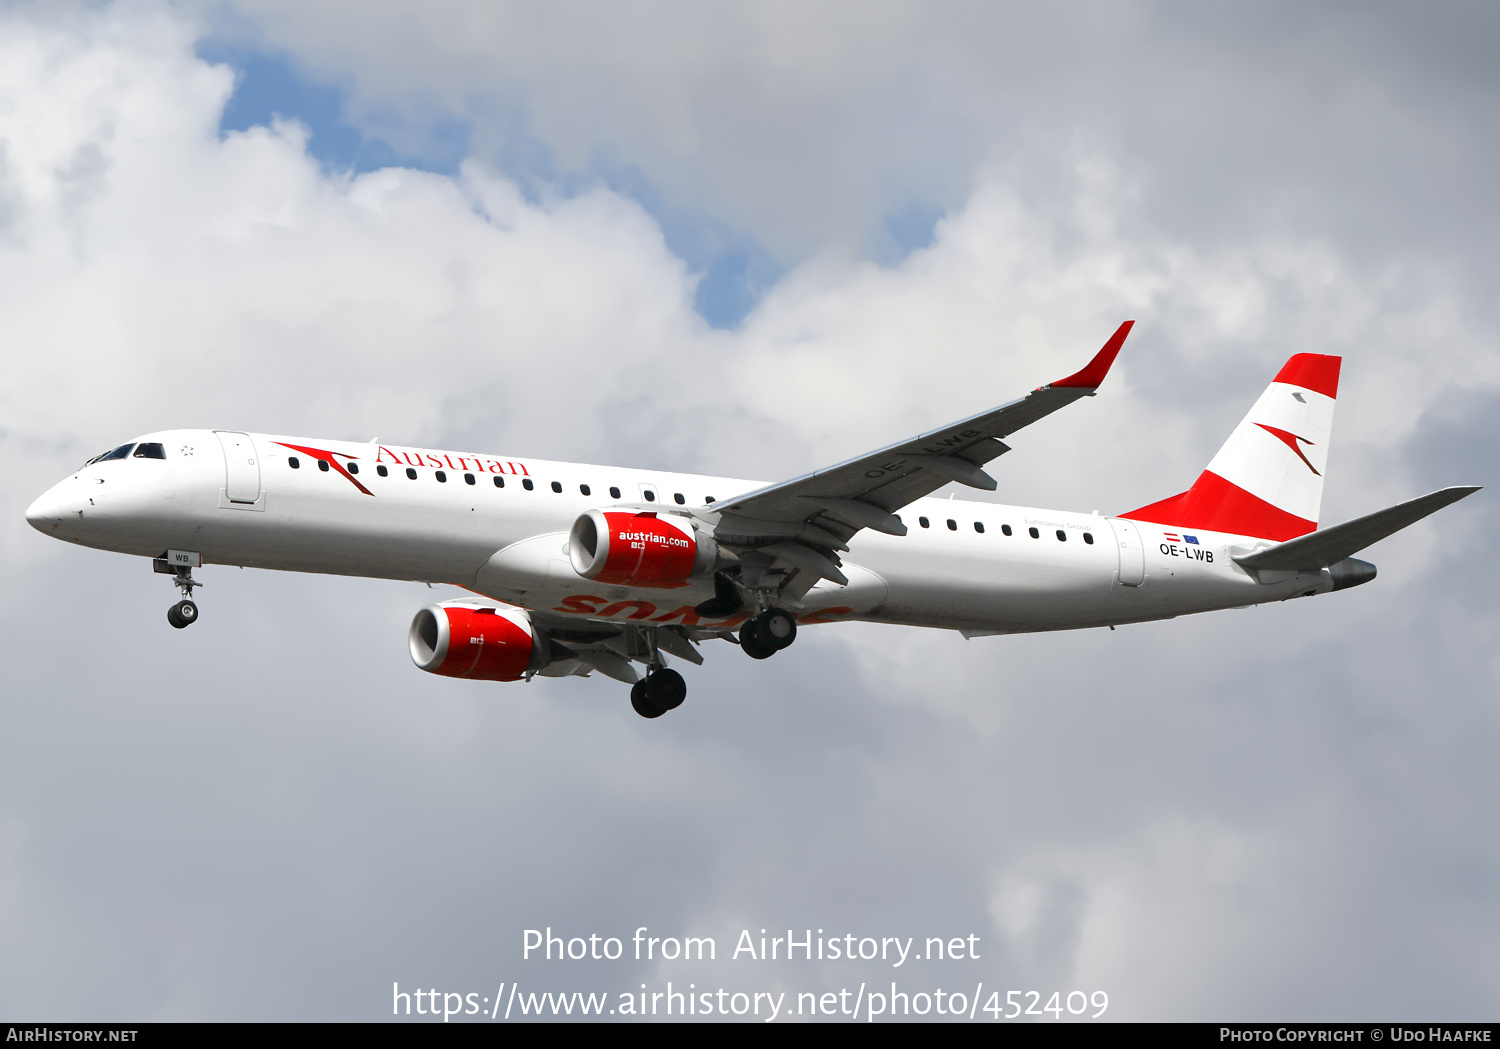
[
  {"x": 1062, "y": 537},
  {"x": 583, "y": 489},
  {"x": 557, "y": 487},
  {"x": 354, "y": 468},
  {"x": 614, "y": 493},
  {"x": 441, "y": 476},
  {"x": 468, "y": 478},
  {"x": 323, "y": 465},
  {"x": 679, "y": 498},
  {"x": 1005, "y": 530},
  {"x": 526, "y": 483},
  {"x": 1034, "y": 533},
  {"x": 499, "y": 481},
  {"x": 411, "y": 474},
  {"x": 382, "y": 471},
  {"x": 952, "y": 525},
  {"x": 150, "y": 450},
  {"x": 1088, "y": 537},
  {"x": 650, "y": 496},
  {"x": 708, "y": 498},
  {"x": 293, "y": 462},
  {"x": 979, "y": 527},
  {"x": 923, "y": 522}
]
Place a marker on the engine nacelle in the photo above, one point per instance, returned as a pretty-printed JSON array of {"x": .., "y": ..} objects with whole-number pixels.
[
  {"x": 487, "y": 643},
  {"x": 626, "y": 548}
]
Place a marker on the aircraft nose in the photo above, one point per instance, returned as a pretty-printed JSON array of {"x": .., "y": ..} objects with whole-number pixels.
[{"x": 51, "y": 508}]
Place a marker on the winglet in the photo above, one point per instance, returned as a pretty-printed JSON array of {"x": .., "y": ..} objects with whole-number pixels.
[{"x": 1093, "y": 373}]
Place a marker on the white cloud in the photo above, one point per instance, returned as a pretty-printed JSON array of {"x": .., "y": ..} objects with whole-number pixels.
[{"x": 811, "y": 126}]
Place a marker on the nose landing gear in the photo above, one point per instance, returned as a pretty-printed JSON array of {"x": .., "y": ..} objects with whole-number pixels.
[{"x": 184, "y": 613}]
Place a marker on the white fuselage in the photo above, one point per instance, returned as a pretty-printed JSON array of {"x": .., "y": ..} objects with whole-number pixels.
[{"x": 236, "y": 499}]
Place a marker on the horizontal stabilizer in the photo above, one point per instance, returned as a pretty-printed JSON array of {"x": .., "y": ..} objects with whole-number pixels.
[{"x": 1331, "y": 545}]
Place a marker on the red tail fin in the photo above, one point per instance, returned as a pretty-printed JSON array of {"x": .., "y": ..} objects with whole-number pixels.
[{"x": 1267, "y": 480}]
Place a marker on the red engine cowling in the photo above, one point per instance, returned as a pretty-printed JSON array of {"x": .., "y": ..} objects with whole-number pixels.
[
  {"x": 638, "y": 549},
  {"x": 462, "y": 641}
]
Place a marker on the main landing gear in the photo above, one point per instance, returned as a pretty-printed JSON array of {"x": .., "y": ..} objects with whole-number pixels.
[
  {"x": 765, "y": 634},
  {"x": 658, "y": 692},
  {"x": 661, "y": 689}
]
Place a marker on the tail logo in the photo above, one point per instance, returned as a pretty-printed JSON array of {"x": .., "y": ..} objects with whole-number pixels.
[{"x": 1290, "y": 440}]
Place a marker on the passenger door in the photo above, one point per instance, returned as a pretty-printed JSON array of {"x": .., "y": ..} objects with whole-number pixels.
[{"x": 241, "y": 467}]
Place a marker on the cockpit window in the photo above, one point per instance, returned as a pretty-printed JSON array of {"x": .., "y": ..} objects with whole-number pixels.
[
  {"x": 150, "y": 450},
  {"x": 116, "y": 453}
]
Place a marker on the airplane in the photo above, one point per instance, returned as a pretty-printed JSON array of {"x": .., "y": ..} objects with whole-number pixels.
[{"x": 579, "y": 568}]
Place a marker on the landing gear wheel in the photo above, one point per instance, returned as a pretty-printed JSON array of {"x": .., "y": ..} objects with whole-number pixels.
[
  {"x": 666, "y": 689},
  {"x": 183, "y": 613},
  {"x": 751, "y": 641},
  {"x": 640, "y": 699},
  {"x": 776, "y": 626},
  {"x": 660, "y": 691}
]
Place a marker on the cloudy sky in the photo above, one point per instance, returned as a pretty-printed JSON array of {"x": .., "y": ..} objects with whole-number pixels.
[{"x": 750, "y": 239}]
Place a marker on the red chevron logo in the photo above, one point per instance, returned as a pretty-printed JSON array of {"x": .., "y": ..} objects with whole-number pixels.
[
  {"x": 328, "y": 457},
  {"x": 1290, "y": 440}
]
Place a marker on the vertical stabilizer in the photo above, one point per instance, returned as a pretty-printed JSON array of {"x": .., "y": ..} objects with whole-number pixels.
[{"x": 1267, "y": 480}]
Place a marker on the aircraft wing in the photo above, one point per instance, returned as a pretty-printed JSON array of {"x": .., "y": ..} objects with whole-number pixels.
[{"x": 802, "y": 523}]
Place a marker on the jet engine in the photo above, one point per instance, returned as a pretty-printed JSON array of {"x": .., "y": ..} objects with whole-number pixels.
[
  {"x": 487, "y": 643},
  {"x": 639, "y": 549}
]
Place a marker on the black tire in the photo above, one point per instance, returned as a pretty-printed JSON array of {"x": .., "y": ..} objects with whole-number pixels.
[
  {"x": 173, "y": 618},
  {"x": 776, "y": 626},
  {"x": 750, "y": 641},
  {"x": 187, "y": 612},
  {"x": 640, "y": 699},
  {"x": 666, "y": 689}
]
